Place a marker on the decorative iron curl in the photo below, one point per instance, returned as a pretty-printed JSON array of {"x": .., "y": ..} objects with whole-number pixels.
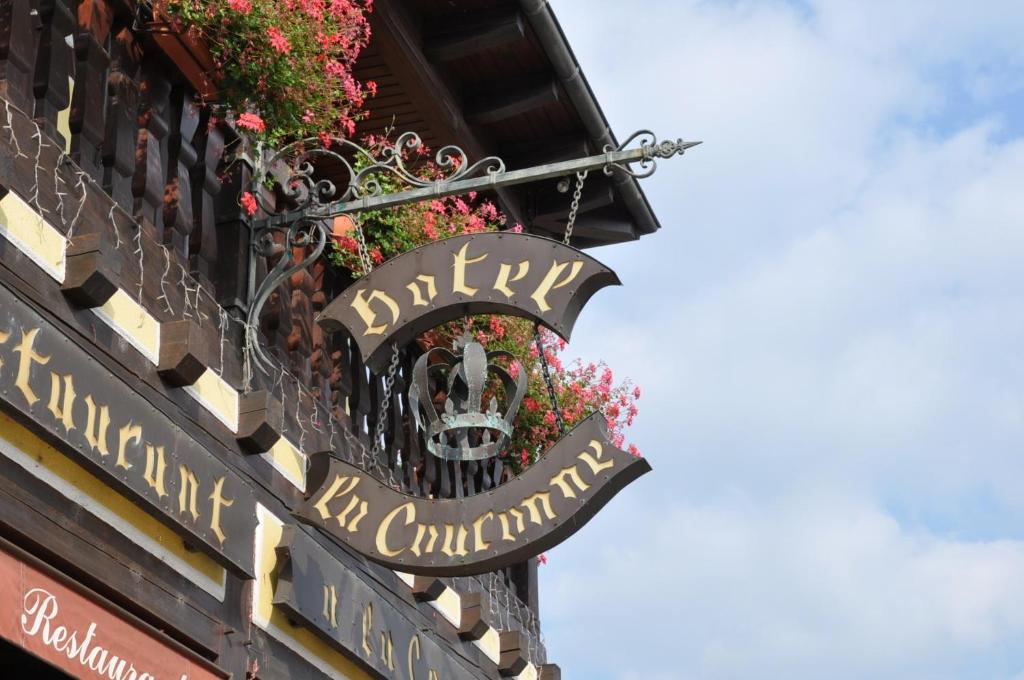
[
  {"x": 291, "y": 172},
  {"x": 651, "y": 148},
  {"x": 304, "y": 242}
]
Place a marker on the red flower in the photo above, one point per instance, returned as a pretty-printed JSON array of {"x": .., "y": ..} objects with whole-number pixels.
[
  {"x": 278, "y": 41},
  {"x": 251, "y": 121},
  {"x": 376, "y": 255},
  {"x": 248, "y": 202},
  {"x": 240, "y": 6}
]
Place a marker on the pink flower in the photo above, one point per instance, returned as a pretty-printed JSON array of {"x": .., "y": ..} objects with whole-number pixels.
[
  {"x": 240, "y": 6},
  {"x": 251, "y": 121},
  {"x": 549, "y": 418},
  {"x": 542, "y": 559},
  {"x": 278, "y": 41},
  {"x": 634, "y": 451},
  {"x": 517, "y": 229},
  {"x": 248, "y": 202},
  {"x": 461, "y": 207},
  {"x": 636, "y": 392},
  {"x": 308, "y": 116},
  {"x": 513, "y": 369}
]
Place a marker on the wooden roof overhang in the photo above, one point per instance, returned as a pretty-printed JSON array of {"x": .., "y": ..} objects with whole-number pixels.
[{"x": 497, "y": 77}]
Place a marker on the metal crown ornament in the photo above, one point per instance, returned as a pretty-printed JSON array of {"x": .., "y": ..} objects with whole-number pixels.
[{"x": 463, "y": 431}]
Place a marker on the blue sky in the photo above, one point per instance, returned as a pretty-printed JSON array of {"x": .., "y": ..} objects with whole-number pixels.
[{"x": 828, "y": 331}]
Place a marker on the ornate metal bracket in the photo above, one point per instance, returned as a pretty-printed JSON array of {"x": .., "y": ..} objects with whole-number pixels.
[{"x": 290, "y": 187}]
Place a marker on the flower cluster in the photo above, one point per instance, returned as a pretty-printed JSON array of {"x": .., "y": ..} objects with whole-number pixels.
[
  {"x": 580, "y": 389},
  {"x": 284, "y": 67}
]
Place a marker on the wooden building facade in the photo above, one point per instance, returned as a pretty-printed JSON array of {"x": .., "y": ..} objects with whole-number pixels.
[{"x": 146, "y": 484}]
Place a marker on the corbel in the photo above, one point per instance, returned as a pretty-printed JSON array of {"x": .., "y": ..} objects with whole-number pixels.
[
  {"x": 473, "y": 626},
  {"x": 92, "y": 270},
  {"x": 260, "y": 421},
  {"x": 427, "y": 588},
  {"x": 550, "y": 671},
  {"x": 183, "y": 353},
  {"x": 514, "y": 659}
]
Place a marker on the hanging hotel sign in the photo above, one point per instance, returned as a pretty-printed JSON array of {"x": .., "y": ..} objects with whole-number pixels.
[
  {"x": 61, "y": 624},
  {"x": 518, "y": 520},
  {"x": 57, "y": 387},
  {"x": 491, "y": 273}
]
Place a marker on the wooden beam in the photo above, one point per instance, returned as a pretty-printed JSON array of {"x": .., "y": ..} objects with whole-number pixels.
[
  {"x": 475, "y": 39},
  {"x": 511, "y": 103}
]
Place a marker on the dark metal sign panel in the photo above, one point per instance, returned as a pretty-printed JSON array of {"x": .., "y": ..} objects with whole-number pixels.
[
  {"x": 115, "y": 433},
  {"x": 455, "y": 537},
  {"x": 316, "y": 590},
  {"x": 490, "y": 273}
]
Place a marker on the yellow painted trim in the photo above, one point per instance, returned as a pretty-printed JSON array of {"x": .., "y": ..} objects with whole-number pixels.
[
  {"x": 490, "y": 645},
  {"x": 286, "y": 458},
  {"x": 82, "y": 487},
  {"x": 528, "y": 673},
  {"x": 34, "y": 236},
  {"x": 133, "y": 323},
  {"x": 450, "y": 606},
  {"x": 407, "y": 579},
  {"x": 217, "y": 396},
  {"x": 64, "y": 115},
  {"x": 301, "y": 640}
]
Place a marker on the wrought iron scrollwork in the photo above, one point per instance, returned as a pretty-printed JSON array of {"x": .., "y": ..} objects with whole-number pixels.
[
  {"x": 299, "y": 200},
  {"x": 305, "y": 192},
  {"x": 650, "y": 148}
]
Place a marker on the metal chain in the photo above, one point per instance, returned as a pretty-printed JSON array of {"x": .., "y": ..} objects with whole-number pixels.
[
  {"x": 547, "y": 380},
  {"x": 389, "y": 379},
  {"x": 389, "y": 383},
  {"x": 364, "y": 252},
  {"x": 581, "y": 177}
]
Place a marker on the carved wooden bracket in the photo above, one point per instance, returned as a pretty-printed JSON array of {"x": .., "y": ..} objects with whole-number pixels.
[
  {"x": 513, "y": 659},
  {"x": 92, "y": 272},
  {"x": 473, "y": 626},
  {"x": 183, "y": 353},
  {"x": 260, "y": 421}
]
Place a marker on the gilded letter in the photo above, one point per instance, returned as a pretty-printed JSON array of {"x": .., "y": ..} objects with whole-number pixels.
[
  {"x": 382, "y": 530},
  {"x": 362, "y": 306},
  {"x": 421, "y": 529},
  {"x": 331, "y": 605},
  {"x": 592, "y": 462},
  {"x": 459, "y": 537},
  {"x": 414, "y": 642},
  {"x": 417, "y": 296},
  {"x": 335, "y": 491},
  {"x": 504, "y": 271},
  {"x": 28, "y": 357},
  {"x": 218, "y": 501},
  {"x": 128, "y": 433},
  {"x": 478, "y": 532},
  {"x": 367, "y": 627},
  {"x": 551, "y": 282},
  {"x": 506, "y": 535},
  {"x": 62, "y": 409},
  {"x": 189, "y": 491},
  {"x": 96, "y": 429},
  {"x": 462, "y": 260},
  {"x": 569, "y": 472},
  {"x": 156, "y": 466},
  {"x": 387, "y": 649},
  {"x": 544, "y": 498}
]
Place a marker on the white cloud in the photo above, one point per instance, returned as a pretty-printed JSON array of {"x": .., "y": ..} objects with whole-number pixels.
[{"x": 833, "y": 376}]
